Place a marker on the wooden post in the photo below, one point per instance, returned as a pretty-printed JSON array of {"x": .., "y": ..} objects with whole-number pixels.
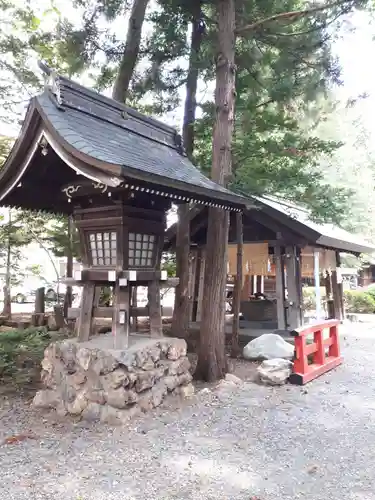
[
  {"x": 280, "y": 288},
  {"x": 40, "y": 301},
  {"x": 340, "y": 288},
  {"x": 120, "y": 318},
  {"x": 84, "y": 324},
  {"x": 318, "y": 298},
  {"x": 193, "y": 264},
  {"x": 134, "y": 305},
  {"x": 237, "y": 286},
  {"x": 154, "y": 307},
  {"x": 294, "y": 287},
  {"x": 329, "y": 297}
]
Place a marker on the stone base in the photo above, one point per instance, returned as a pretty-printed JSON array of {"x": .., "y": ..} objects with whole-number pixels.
[{"x": 91, "y": 380}]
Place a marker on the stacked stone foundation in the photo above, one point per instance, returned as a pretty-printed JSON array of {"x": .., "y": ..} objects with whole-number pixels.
[{"x": 97, "y": 383}]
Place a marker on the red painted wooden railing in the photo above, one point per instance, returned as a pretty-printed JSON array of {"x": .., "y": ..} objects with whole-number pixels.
[{"x": 302, "y": 371}]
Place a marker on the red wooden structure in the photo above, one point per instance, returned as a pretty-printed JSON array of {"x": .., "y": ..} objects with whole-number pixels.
[{"x": 323, "y": 361}]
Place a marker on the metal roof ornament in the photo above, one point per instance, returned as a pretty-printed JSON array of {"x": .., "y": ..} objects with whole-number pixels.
[{"x": 51, "y": 81}]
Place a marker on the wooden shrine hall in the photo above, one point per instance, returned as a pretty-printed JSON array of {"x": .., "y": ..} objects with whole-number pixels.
[
  {"x": 117, "y": 173},
  {"x": 283, "y": 248}
]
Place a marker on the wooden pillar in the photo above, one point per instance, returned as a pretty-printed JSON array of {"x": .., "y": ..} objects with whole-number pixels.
[
  {"x": 154, "y": 309},
  {"x": 40, "y": 301},
  {"x": 280, "y": 288},
  {"x": 121, "y": 316},
  {"x": 340, "y": 289},
  {"x": 318, "y": 298},
  {"x": 84, "y": 322},
  {"x": 237, "y": 286},
  {"x": 329, "y": 297},
  {"x": 294, "y": 286}
]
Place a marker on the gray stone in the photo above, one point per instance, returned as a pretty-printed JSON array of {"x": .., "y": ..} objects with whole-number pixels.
[
  {"x": 268, "y": 346},
  {"x": 118, "y": 398},
  {"x": 158, "y": 392},
  {"x": 92, "y": 412},
  {"x": 46, "y": 399},
  {"x": 132, "y": 396},
  {"x": 171, "y": 382},
  {"x": 177, "y": 349},
  {"x": 186, "y": 391},
  {"x": 96, "y": 396},
  {"x": 114, "y": 380},
  {"x": 67, "y": 352},
  {"x": 229, "y": 377},
  {"x": 145, "y": 401},
  {"x": 47, "y": 380},
  {"x": 85, "y": 357},
  {"x": 185, "y": 378},
  {"x": 68, "y": 393},
  {"x": 275, "y": 371},
  {"x": 77, "y": 379},
  {"x": 177, "y": 367},
  {"x": 78, "y": 405},
  {"x": 113, "y": 416},
  {"x": 145, "y": 380},
  {"x": 105, "y": 363}
]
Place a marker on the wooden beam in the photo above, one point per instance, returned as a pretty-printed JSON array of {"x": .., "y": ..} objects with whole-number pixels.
[
  {"x": 156, "y": 327},
  {"x": 86, "y": 312},
  {"x": 294, "y": 286},
  {"x": 100, "y": 276},
  {"x": 280, "y": 289},
  {"x": 120, "y": 319}
]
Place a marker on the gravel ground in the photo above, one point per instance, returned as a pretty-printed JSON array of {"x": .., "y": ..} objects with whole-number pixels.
[{"x": 257, "y": 443}]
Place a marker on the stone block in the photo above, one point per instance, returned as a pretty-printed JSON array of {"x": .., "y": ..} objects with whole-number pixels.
[
  {"x": 145, "y": 380},
  {"x": 177, "y": 349},
  {"x": 186, "y": 391},
  {"x": 158, "y": 392},
  {"x": 114, "y": 380},
  {"x": 118, "y": 398},
  {"x": 171, "y": 382},
  {"x": 78, "y": 405},
  {"x": 46, "y": 399},
  {"x": 92, "y": 412},
  {"x": 178, "y": 367},
  {"x": 113, "y": 416},
  {"x": 96, "y": 396}
]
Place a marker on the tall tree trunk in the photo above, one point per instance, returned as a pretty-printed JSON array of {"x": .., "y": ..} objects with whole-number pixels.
[
  {"x": 180, "y": 323},
  {"x": 7, "y": 307},
  {"x": 131, "y": 51},
  {"x": 212, "y": 363},
  {"x": 68, "y": 299}
]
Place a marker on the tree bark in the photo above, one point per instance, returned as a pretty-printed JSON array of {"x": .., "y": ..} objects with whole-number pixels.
[
  {"x": 180, "y": 323},
  {"x": 237, "y": 287},
  {"x": 131, "y": 51},
  {"x": 212, "y": 362}
]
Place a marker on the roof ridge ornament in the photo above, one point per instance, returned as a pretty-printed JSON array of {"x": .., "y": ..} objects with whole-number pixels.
[{"x": 51, "y": 81}]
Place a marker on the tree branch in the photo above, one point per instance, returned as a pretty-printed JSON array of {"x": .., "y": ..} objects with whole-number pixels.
[{"x": 292, "y": 16}]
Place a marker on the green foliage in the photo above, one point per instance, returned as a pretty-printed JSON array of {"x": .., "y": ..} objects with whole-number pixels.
[
  {"x": 60, "y": 241},
  {"x": 21, "y": 352},
  {"x": 309, "y": 298},
  {"x": 169, "y": 264},
  {"x": 357, "y": 301}
]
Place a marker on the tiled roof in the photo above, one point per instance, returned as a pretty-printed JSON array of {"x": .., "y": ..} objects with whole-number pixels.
[{"x": 147, "y": 149}]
